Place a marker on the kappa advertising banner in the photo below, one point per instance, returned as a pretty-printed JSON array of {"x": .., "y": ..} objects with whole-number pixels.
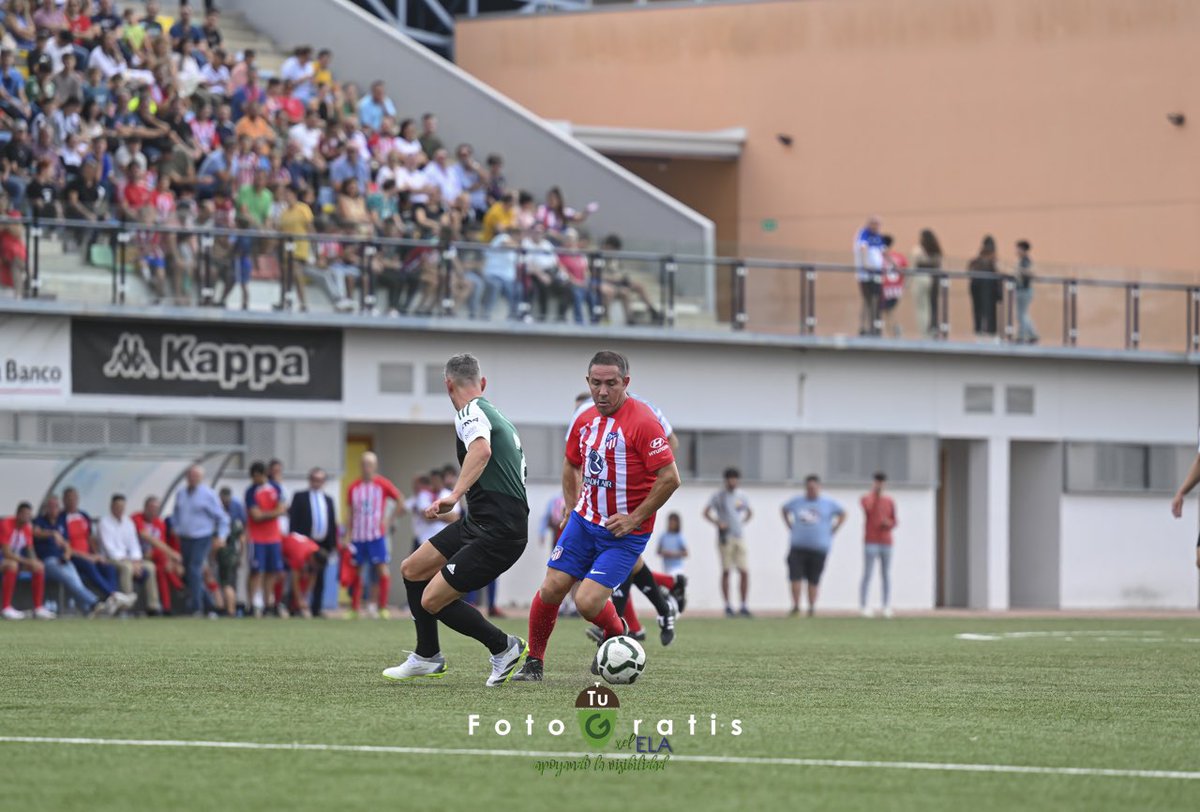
[
  {"x": 33, "y": 357},
  {"x": 205, "y": 360}
]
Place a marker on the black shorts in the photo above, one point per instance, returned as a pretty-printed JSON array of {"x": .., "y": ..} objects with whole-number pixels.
[
  {"x": 805, "y": 565},
  {"x": 472, "y": 560}
]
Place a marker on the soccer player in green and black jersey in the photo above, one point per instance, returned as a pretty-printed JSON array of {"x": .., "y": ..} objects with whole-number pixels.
[{"x": 473, "y": 551}]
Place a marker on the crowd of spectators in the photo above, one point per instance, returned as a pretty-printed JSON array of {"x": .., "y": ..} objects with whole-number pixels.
[
  {"x": 123, "y": 115},
  {"x": 261, "y": 551},
  {"x": 884, "y": 280}
]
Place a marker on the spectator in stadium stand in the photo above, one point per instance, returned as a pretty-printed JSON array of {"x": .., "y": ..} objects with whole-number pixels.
[
  {"x": 18, "y": 158},
  {"x": 240, "y": 73},
  {"x": 812, "y": 520},
  {"x": 16, "y": 554},
  {"x": 541, "y": 269},
  {"x": 119, "y": 540},
  {"x": 620, "y": 285},
  {"x": 52, "y": 549},
  {"x": 500, "y": 216},
  {"x": 12, "y": 250},
  {"x": 201, "y": 523},
  {"x": 50, "y": 17},
  {"x": 213, "y": 39},
  {"x": 729, "y": 510},
  {"x": 374, "y": 106},
  {"x": 168, "y": 563},
  {"x": 892, "y": 286},
  {"x": 351, "y": 166},
  {"x": 868, "y": 262},
  {"x": 495, "y": 182},
  {"x": 19, "y": 23},
  {"x": 409, "y": 143},
  {"x": 439, "y": 173},
  {"x": 185, "y": 28},
  {"x": 13, "y": 101},
  {"x": 927, "y": 257},
  {"x": 230, "y": 553},
  {"x": 986, "y": 291},
  {"x": 45, "y": 198},
  {"x": 1026, "y": 333},
  {"x": 431, "y": 142},
  {"x": 500, "y": 273},
  {"x": 469, "y": 175},
  {"x": 556, "y": 217},
  {"x": 253, "y": 125},
  {"x": 574, "y": 283}
]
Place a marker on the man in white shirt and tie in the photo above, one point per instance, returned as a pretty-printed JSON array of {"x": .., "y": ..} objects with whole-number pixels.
[
  {"x": 312, "y": 514},
  {"x": 119, "y": 539}
]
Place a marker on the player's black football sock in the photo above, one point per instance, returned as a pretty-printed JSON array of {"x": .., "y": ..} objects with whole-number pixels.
[
  {"x": 620, "y": 597},
  {"x": 467, "y": 620},
  {"x": 643, "y": 579},
  {"x": 427, "y": 630}
]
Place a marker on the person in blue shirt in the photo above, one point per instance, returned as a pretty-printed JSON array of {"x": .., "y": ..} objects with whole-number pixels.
[
  {"x": 671, "y": 546},
  {"x": 813, "y": 520}
]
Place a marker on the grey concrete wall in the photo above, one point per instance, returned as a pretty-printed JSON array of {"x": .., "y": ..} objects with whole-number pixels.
[{"x": 536, "y": 155}]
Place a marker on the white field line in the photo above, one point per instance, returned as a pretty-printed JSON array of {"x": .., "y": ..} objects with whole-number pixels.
[{"x": 1016, "y": 769}]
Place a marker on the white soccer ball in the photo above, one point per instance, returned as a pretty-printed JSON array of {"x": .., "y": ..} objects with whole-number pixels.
[{"x": 621, "y": 660}]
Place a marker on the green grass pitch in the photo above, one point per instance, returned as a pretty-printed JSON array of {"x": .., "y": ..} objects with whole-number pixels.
[{"x": 1117, "y": 694}]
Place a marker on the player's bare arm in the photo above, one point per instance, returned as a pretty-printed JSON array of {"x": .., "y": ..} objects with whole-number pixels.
[
  {"x": 666, "y": 483},
  {"x": 787, "y": 518},
  {"x": 1189, "y": 482},
  {"x": 478, "y": 454},
  {"x": 570, "y": 485}
]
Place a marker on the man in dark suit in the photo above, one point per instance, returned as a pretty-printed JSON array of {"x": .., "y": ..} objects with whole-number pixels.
[{"x": 312, "y": 514}]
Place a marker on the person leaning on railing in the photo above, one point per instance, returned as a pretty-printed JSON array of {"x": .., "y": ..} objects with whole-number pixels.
[{"x": 927, "y": 258}]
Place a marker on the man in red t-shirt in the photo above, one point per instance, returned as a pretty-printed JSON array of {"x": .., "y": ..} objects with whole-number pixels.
[
  {"x": 168, "y": 562},
  {"x": 16, "y": 554},
  {"x": 618, "y": 471},
  {"x": 879, "y": 514},
  {"x": 264, "y": 506}
]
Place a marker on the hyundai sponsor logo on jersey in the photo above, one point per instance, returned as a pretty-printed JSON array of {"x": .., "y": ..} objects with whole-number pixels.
[{"x": 174, "y": 360}]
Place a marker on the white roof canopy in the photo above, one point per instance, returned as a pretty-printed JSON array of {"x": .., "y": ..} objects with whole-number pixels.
[{"x": 725, "y": 145}]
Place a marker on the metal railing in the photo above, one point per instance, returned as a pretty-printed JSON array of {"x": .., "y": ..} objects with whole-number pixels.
[{"x": 822, "y": 294}]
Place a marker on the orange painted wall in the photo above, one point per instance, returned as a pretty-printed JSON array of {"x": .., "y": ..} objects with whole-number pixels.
[{"x": 1043, "y": 119}]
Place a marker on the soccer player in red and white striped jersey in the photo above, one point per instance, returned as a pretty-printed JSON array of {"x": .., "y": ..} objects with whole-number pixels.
[
  {"x": 619, "y": 470},
  {"x": 374, "y": 500}
]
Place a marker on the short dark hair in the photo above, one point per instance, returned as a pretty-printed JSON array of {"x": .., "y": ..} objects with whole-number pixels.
[
  {"x": 275, "y": 461},
  {"x": 887, "y": 240},
  {"x": 434, "y": 472},
  {"x": 879, "y": 476},
  {"x": 225, "y": 491},
  {"x": 258, "y": 467},
  {"x": 581, "y": 397},
  {"x": 812, "y": 478},
  {"x": 24, "y": 506},
  {"x": 732, "y": 472},
  {"x": 608, "y": 358},
  {"x": 116, "y": 497},
  {"x": 524, "y": 197},
  {"x": 450, "y": 468},
  {"x": 1023, "y": 245},
  {"x": 611, "y": 242}
]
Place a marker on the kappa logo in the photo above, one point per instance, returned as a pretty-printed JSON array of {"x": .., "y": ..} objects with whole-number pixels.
[
  {"x": 131, "y": 359},
  {"x": 184, "y": 358}
]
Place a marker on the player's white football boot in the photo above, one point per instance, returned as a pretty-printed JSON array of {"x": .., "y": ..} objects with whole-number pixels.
[
  {"x": 10, "y": 613},
  {"x": 416, "y": 666},
  {"x": 42, "y": 613},
  {"x": 506, "y": 662}
]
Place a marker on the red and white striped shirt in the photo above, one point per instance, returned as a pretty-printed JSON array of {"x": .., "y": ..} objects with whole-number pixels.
[
  {"x": 619, "y": 456},
  {"x": 16, "y": 539},
  {"x": 368, "y": 501}
]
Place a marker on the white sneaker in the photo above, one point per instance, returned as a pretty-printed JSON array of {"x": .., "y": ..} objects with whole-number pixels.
[
  {"x": 506, "y": 662},
  {"x": 372, "y": 611},
  {"x": 865, "y": 612},
  {"x": 282, "y": 611},
  {"x": 125, "y": 600},
  {"x": 12, "y": 614},
  {"x": 42, "y": 613},
  {"x": 111, "y": 605},
  {"x": 416, "y": 666},
  {"x": 887, "y": 612}
]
